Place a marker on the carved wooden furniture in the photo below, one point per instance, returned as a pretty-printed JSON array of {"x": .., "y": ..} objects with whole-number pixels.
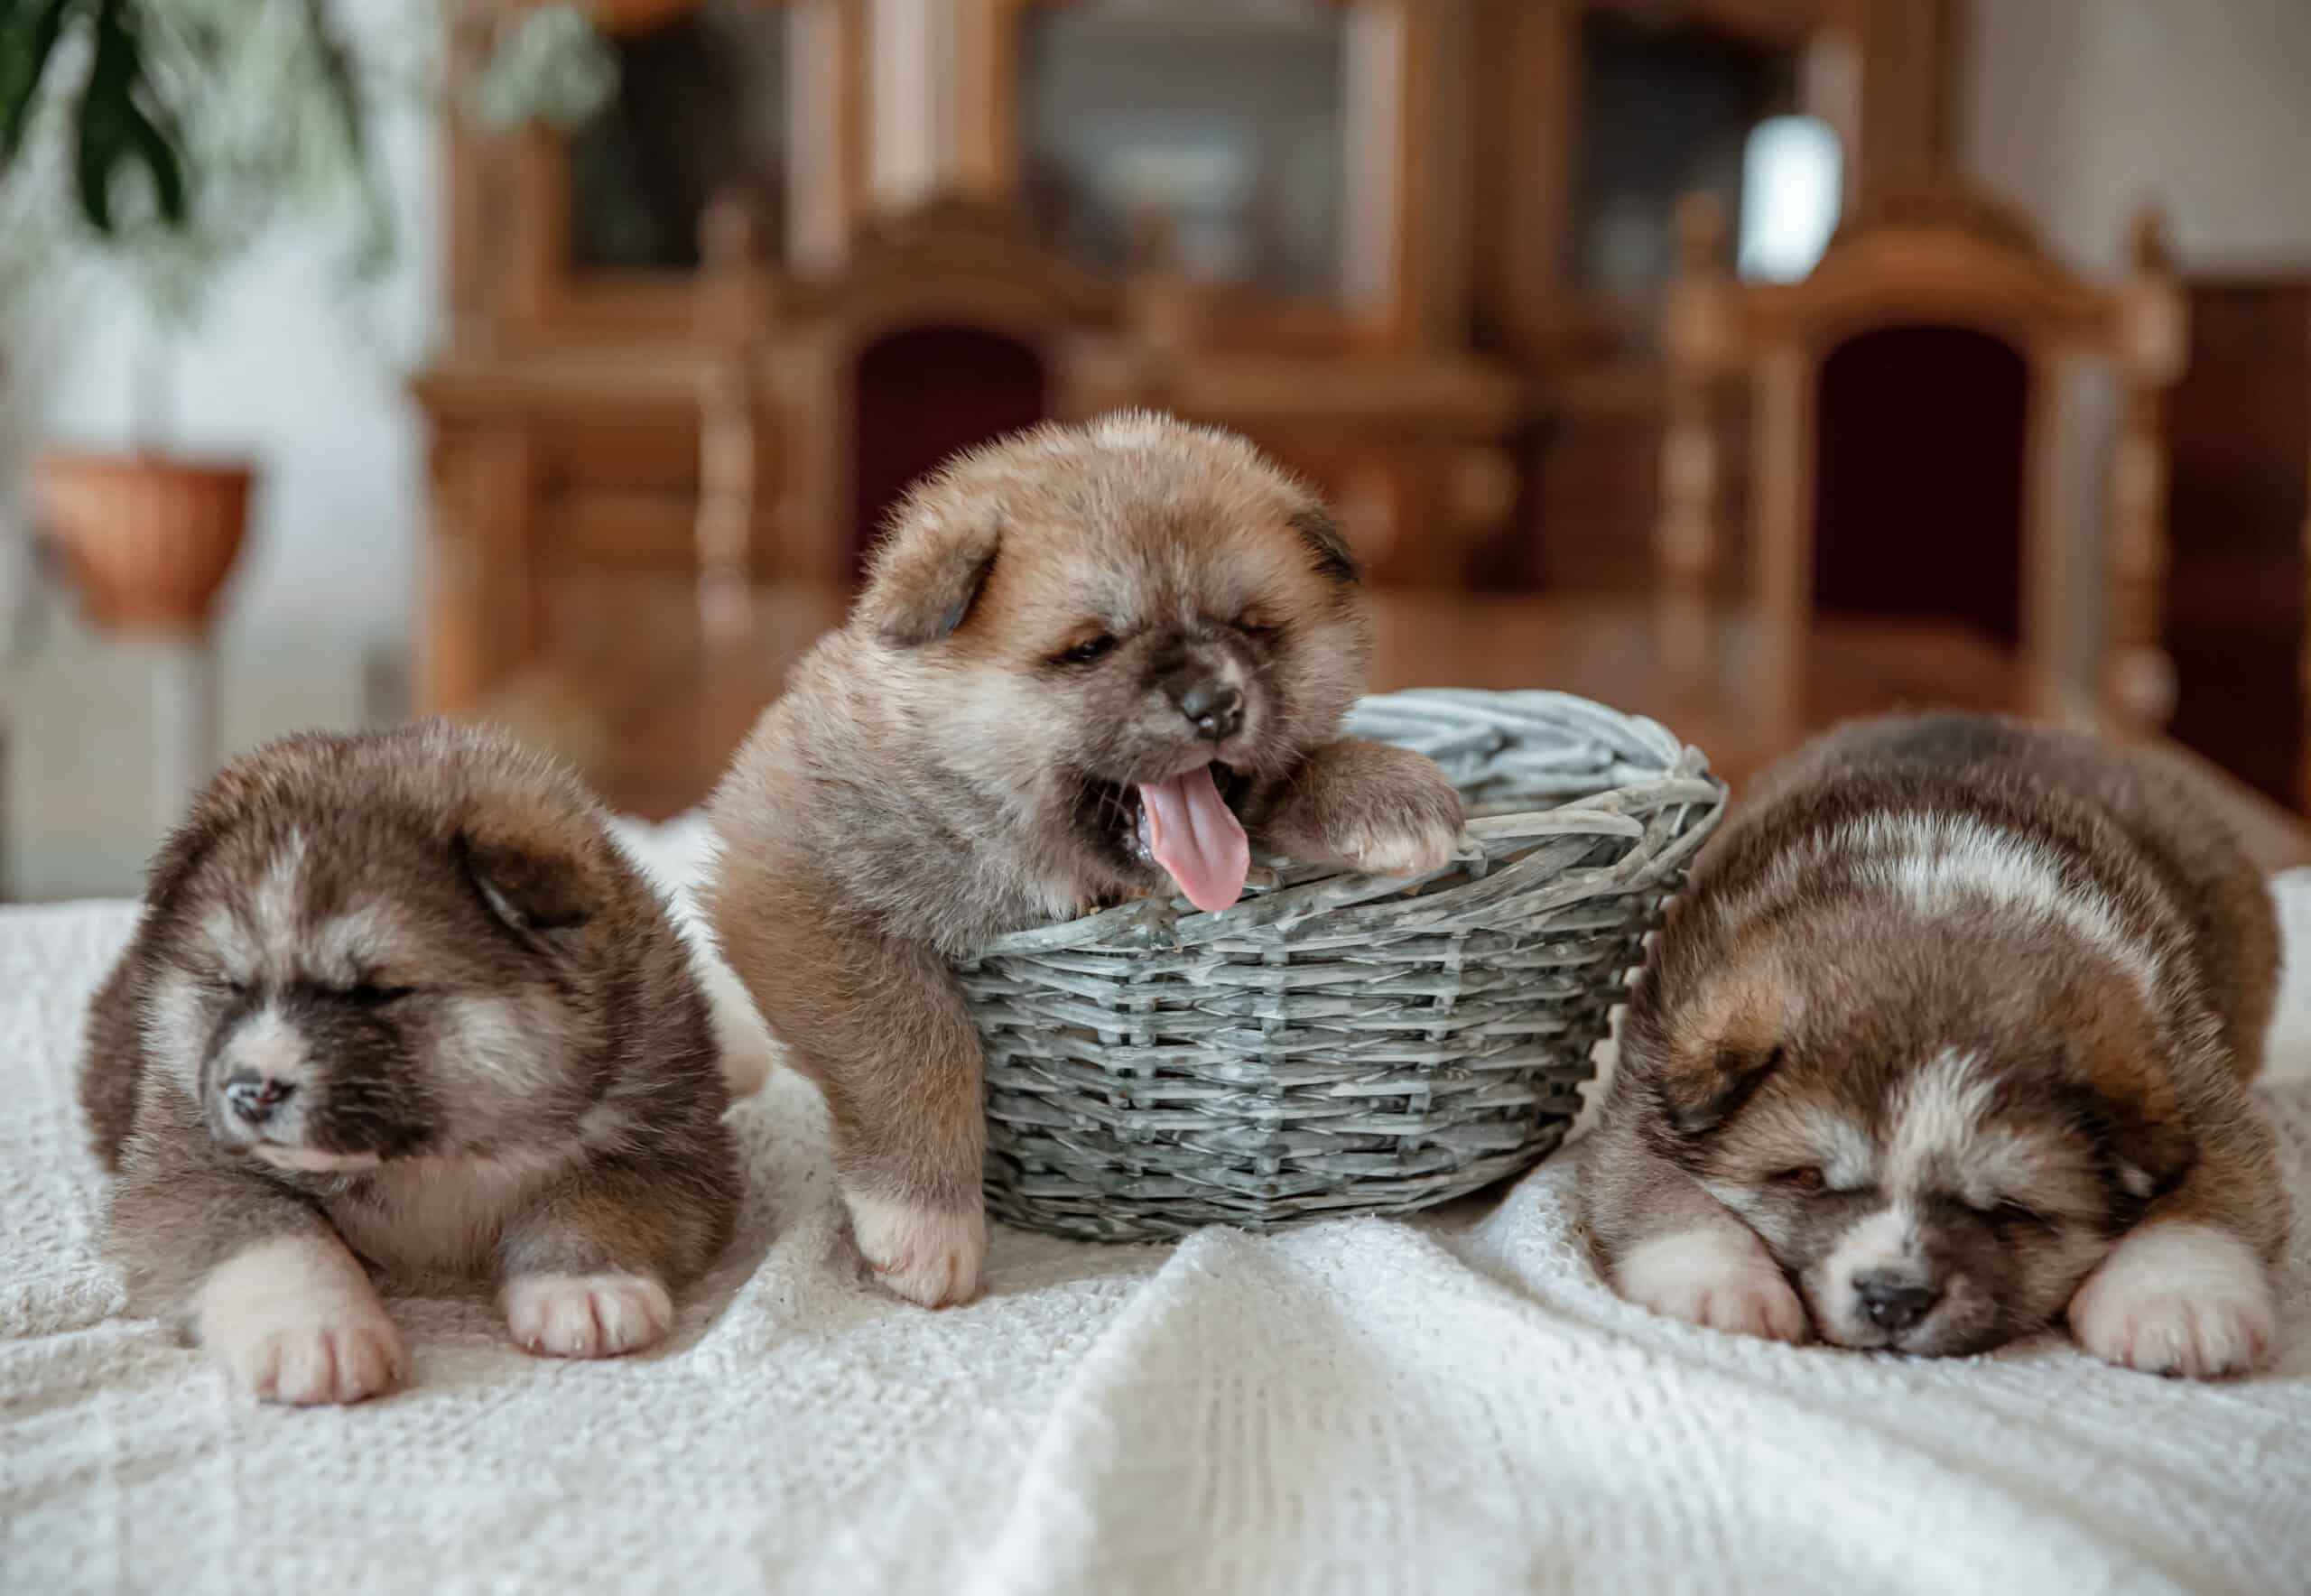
[
  {"x": 864, "y": 294},
  {"x": 1594, "y": 116},
  {"x": 816, "y": 243},
  {"x": 2237, "y": 436},
  {"x": 1863, "y": 498}
]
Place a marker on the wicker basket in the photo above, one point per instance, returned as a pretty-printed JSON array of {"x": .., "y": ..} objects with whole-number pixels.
[{"x": 1337, "y": 1044}]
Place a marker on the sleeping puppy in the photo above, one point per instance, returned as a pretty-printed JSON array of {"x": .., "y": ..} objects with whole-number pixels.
[
  {"x": 398, "y": 1000},
  {"x": 1950, "y": 1039},
  {"x": 1086, "y": 661}
]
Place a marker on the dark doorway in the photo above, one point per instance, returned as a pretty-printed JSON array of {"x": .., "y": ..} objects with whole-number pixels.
[
  {"x": 1918, "y": 484},
  {"x": 922, "y": 394}
]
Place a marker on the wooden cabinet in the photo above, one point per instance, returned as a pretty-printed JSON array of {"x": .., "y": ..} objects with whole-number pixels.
[
  {"x": 2238, "y": 439},
  {"x": 1908, "y": 431},
  {"x": 1595, "y": 116},
  {"x": 1414, "y": 247}
]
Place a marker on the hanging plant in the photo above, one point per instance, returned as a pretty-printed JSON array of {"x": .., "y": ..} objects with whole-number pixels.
[
  {"x": 120, "y": 117},
  {"x": 163, "y": 139},
  {"x": 549, "y": 68},
  {"x": 168, "y": 136}
]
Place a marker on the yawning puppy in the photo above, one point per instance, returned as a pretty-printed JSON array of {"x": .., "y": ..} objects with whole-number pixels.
[
  {"x": 400, "y": 999},
  {"x": 1086, "y": 660},
  {"x": 1949, "y": 1037}
]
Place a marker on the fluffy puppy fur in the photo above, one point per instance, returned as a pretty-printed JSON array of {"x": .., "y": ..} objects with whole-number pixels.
[
  {"x": 399, "y": 1000},
  {"x": 1059, "y": 631},
  {"x": 1950, "y": 1040}
]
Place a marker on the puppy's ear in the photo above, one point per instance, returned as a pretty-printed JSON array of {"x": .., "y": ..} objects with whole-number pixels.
[
  {"x": 541, "y": 893},
  {"x": 2142, "y": 1139},
  {"x": 1724, "y": 1039},
  {"x": 1701, "y": 1093},
  {"x": 231, "y": 794},
  {"x": 2115, "y": 1086},
  {"x": 1328, "y": 545},
  {"x": 925, "y": 578},
  {"x": 179, "y": 855}
]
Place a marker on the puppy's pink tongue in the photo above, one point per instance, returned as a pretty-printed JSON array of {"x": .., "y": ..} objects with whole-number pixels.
[{"x": 1196, "y": 837}]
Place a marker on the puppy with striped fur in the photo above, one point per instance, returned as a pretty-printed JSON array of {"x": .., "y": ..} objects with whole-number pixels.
[{"x": 1948, "y": 1041}]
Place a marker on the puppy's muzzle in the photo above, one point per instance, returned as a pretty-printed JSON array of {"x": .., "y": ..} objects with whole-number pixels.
[
  {"x": 253, "y": 1098},
  {"x": 1213, "y": 707},
  {"x": 1893, "y": 1302}
]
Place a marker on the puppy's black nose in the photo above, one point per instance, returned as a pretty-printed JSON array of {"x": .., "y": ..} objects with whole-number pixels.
[
  {"x": 253, "y": 1098},
  {"x": 1894, "y": 1303},
  {"x": 1213, "y": 708}
]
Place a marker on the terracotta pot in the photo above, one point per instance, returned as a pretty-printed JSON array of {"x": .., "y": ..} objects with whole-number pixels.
[{"x": 149, "y": 540}]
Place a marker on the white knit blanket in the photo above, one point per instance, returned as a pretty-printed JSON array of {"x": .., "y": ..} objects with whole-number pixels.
[{"x": 1455, "y": 1405}]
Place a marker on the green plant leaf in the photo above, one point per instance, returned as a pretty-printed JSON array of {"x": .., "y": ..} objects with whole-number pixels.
[
  {"x": 28, "y": 36},
  {"x": 115, "y": 131}
]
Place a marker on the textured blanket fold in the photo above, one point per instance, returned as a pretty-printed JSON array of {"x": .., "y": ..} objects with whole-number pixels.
[{"x": 1455, "y": 1404}]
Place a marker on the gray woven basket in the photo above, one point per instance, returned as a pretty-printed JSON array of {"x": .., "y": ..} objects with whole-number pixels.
[{"x": 1336, "y": 1042}]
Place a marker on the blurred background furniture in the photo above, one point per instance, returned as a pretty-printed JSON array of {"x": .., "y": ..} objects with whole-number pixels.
[
  {"x": 2238, "y": 435},
  {"x": 1414, "y": 248},
  {"x": 691, "y": 288},
  {"x": 1910, "y": 445},
  {"x": 148, "y": 543}
]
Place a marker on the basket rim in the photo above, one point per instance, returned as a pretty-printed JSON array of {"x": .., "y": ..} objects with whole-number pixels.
[{"x": 1677, "y": 764}]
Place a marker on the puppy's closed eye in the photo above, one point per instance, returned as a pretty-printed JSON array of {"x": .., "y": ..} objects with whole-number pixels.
[
  {"x": 1085, "y": 649},
  {"x": 374, "y": 994},
  {"x": 2008, "y": 1211}
]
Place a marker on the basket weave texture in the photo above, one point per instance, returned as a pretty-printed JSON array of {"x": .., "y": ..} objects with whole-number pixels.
[{"x": 1339, "y": 1044}]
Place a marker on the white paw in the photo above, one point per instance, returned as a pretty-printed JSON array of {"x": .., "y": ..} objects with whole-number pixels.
[
  {"x": 930, "y": 1255},
  {"x": 1412, "y": 847},
  {"x": 2179, "y": 1299},
  {"x": 295, "y": 1320},
  {"x": 1718, "y": 1278},
  {"x": 601, "y": 1315}
]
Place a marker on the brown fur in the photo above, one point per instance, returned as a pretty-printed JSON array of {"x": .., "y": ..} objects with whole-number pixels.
[
  {"x": 2110, "y": 1038},
  {"x": 941, "y": 771},
  {"x": 483, "y": 1010}
]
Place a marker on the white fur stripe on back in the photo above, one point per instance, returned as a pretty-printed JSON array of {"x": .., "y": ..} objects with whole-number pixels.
[{"x": 1938, "y": 865}]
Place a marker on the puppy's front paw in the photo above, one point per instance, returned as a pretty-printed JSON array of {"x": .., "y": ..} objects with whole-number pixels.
[
  {"x": 930, "y": 1255},
  {"x": 1378, "y": 810},
  {"x": 1718, "y": 1278},
  {"x": 1403, "y": 845},
  {"x": 296, "y": 1321},
  {"x": 603, "y": 1315},
  {"x": 2177, "y": 1299}
]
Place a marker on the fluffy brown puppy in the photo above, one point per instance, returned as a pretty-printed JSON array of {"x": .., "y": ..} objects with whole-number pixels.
[
  {"x": 399, "y": 999},
  {"x": 1086, "y": 658},
  {"x": 1950, "y": 1039}
]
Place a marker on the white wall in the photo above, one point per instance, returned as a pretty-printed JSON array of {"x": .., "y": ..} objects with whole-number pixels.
[
  {"x": 289, "y": 370},
  {"x": 2083, "y": 109}
]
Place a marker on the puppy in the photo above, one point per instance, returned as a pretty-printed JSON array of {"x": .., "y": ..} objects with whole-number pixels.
[
  {"x": 1950, "y": 1039},
  {"x": 399, "y": 1000},
  {"x": 1086, "y": 660}
]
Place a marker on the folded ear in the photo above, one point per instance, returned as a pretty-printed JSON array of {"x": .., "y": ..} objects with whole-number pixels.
[
  {"x": 537, "y": 890},
  {"x": 1328, "y": 544},
  {"x": 2146, "y": 1146},
  {"x": 215, "y": 811},
  {"x": 1701, "y": 1093},
  {"x": 926, "y": 575},
  {"x": 179, "y": 855}
]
